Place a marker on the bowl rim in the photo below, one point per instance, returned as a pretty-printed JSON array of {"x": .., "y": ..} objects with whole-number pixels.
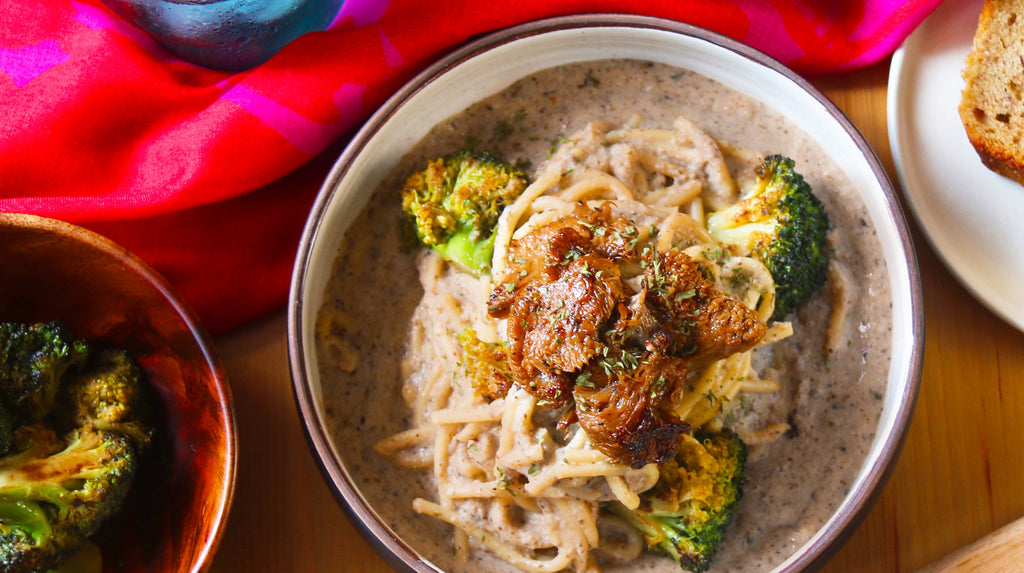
[
  {"x": 394, "y": 550},
  {"x": 199, "y": 335}
]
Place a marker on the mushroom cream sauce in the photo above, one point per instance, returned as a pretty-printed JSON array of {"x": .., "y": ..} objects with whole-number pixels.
[{"x": 794, "y": 483}]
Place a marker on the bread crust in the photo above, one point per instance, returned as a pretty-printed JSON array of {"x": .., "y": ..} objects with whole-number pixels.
[
  {"x": 997, "y": 159},
  {"x": 991, "y": 105}
]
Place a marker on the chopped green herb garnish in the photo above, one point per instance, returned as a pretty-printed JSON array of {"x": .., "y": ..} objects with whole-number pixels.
[{"x": 502, "y": 130}]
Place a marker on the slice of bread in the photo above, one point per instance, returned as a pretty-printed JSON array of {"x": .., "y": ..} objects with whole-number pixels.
[{"x": 992, "y": 101}]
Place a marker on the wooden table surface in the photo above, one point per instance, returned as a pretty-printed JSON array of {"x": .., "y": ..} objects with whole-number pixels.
[{"x": 959, "y": 477}]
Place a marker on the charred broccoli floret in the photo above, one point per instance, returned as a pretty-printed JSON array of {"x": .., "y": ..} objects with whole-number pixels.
[
  {"x": 486, "y": 364},
  {"x": 33, "y": 360},
  {"x": 453, "y": 205},
  {"x": 56, "y": 492},
  {"x": 106, "y": 395},
  {"x": 784, "y": 225},
  {"x": 68, "y": 467},
  {"x": 686, "y": 512}
]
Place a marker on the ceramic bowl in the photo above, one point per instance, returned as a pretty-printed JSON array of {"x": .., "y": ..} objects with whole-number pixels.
[
  {"x": 175, "y": 513},
  {"x": 490, "y": 64}
]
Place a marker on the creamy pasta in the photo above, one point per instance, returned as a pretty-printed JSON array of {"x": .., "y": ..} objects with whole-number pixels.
[
  {"x": 398, "y": 396},
  {"x": 505, "y": 476}
]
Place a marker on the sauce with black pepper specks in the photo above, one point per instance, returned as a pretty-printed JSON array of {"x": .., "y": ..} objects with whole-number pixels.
[{"x": 795, "y": 483}]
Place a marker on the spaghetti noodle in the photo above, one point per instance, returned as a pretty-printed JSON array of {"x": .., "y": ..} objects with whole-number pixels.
[{"x": 507, "y": 478}]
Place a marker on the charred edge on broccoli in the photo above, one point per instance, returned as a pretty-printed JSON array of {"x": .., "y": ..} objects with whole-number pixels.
[
  {"x": 74, "y": 442},
  {"x": 686, "y": 513},
  {"x": 453, "y": 205},
  {"x": 785, "y": 226},
  {"x": 56, "y": 493},
  {"x": 33, "y": 360}
]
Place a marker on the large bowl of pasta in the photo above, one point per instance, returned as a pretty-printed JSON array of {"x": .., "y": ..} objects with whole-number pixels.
[{"x": 606, "y": 293}]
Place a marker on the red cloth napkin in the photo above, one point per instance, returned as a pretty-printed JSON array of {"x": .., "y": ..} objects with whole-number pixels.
[{"x": 208, "y": 176}]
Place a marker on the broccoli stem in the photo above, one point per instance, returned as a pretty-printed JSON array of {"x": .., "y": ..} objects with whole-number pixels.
[{"x": 473, "y": 255}]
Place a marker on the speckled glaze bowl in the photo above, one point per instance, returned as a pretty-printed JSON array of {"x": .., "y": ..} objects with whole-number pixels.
[
  {"x": 175, "y": 513},
  {"x": 489, "y": 64}
]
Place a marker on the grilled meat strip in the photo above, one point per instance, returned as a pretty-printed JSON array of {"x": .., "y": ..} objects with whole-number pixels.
[{"x": 581, "y": 338}]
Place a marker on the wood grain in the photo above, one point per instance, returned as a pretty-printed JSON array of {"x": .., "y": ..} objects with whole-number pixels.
[
  {"x": 173, "y": 513},
  {"x": 999, "y": 552},
  {"x": 958, "y": 477}
]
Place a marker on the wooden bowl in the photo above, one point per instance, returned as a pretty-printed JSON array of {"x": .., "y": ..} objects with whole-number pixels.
[{"x": 175, "y": 513}]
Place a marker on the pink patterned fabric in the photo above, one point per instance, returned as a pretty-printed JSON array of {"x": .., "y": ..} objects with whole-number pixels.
[{"x": 209, "y": 175}]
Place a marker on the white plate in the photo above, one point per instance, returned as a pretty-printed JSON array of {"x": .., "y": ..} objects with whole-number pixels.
[{"x": 972, "y": 216}]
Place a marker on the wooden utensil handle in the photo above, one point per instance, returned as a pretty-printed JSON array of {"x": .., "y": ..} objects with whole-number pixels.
[{"x": 998, "y": 552}]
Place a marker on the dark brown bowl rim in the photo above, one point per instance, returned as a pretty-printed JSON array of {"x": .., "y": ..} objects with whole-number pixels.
[
  {"x": 201, "y": 339},
  {"x": 395, "y": 551}
]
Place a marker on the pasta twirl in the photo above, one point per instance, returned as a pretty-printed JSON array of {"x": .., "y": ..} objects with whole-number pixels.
[
  {"x": 508, "y": 453},
  {"x": 808, "y": 420}
]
